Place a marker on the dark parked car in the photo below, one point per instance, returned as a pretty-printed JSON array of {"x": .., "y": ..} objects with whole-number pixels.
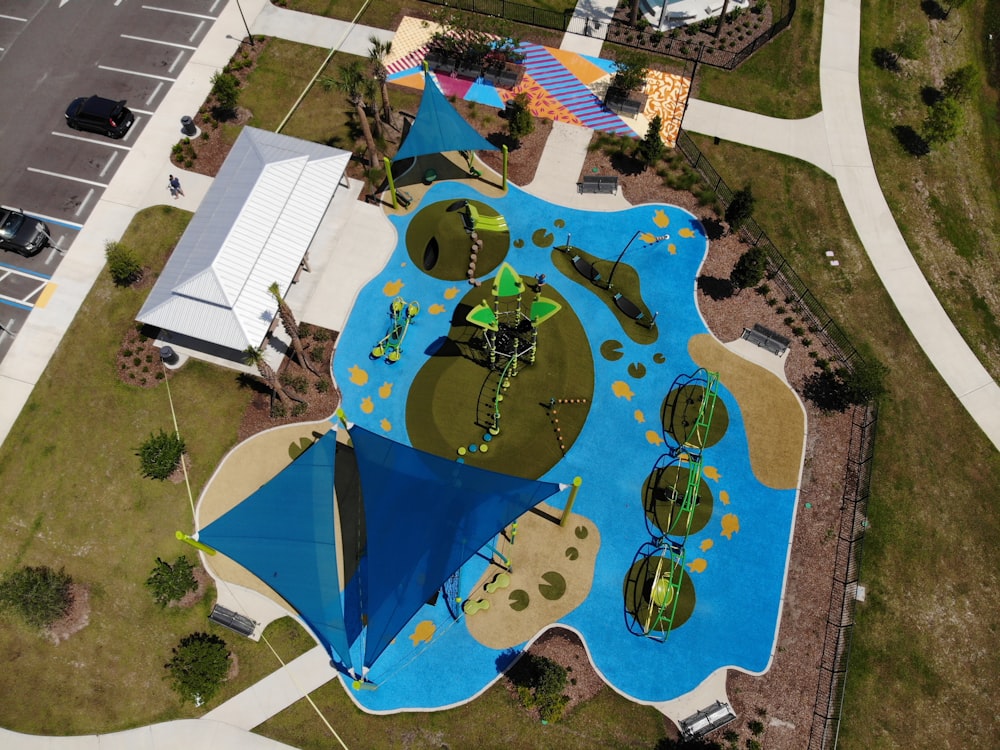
[
  {"x": 22, "y": 233},
  {"x": 100, "y": 115}
]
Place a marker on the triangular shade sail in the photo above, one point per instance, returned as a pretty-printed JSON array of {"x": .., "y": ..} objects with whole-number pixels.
[
  {"x": 439, "y": 128},
  {"x": 284, "y": 534},
  {"x": 423, "y": 518}
]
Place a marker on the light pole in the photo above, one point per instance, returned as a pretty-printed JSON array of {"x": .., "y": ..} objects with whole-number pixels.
[
  {"x": 245, "y": 24},
  {"x": 621, "y": 255}
]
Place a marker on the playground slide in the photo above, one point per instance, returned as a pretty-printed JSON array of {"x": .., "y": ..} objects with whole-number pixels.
[{"x": 491, "y": 223}]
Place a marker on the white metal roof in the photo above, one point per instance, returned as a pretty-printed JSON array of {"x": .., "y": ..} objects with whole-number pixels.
[{"x": 251, "y": 230}]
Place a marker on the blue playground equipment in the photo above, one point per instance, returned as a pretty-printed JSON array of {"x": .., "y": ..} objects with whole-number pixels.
[{"x": 401, "y": 313}]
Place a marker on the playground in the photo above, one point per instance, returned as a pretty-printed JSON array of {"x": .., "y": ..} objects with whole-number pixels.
[{"x": 536, "y": 429}]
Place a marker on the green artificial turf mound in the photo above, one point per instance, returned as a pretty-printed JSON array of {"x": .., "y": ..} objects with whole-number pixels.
[{"x": 437, "y": 242}]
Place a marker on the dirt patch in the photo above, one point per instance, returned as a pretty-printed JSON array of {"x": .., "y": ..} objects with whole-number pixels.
[{"x": 75, "y": 620}]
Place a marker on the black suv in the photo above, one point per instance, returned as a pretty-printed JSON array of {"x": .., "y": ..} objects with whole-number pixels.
[
  {"x": 100, "y": 115},
  {"x": 21, "y": 233}
]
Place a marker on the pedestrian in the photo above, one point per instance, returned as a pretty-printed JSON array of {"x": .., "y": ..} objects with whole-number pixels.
[
  {"x": 175, "y": 186},
  {"x": 539, "y": 282}
]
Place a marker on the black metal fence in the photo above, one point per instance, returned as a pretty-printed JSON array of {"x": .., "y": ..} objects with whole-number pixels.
[
  {"x": 516, "y": 12},
  {"x": 648, "y": 40},
  {"x": 789, "y": 284},
  {"x": 829, "y": 704}
]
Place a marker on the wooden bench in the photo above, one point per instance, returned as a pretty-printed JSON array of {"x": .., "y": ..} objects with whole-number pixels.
[
  {"x": 599, "y": 184},
  {"x": 767, "y": 339}
]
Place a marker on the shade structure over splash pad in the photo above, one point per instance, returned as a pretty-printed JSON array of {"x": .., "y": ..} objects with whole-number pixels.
[
  {"x": 408, "y": 520},
  {"x": 438, "y": 128}
]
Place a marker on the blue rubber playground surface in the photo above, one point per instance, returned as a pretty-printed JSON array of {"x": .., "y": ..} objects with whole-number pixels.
[{"x": 734, "y": 564}]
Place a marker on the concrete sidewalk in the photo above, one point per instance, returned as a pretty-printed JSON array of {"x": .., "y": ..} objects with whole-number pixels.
[{"x": 836, "y": 141}]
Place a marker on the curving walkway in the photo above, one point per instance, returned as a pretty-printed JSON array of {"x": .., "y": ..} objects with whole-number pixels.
[{"x": 836, "y": 141}]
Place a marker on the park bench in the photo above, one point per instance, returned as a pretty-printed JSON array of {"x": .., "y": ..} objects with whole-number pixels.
[
  {"x": 767, "y": 339},
  {"x": 403, "y": 198},
  {"x": 599, "y": 184},
  {"x": 630, "y": 107},
  {"x": 707, "y": 720},
  {"x": 233, "y": 620}
]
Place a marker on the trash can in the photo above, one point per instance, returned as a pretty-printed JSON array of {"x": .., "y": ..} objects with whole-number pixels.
[
  {"x": 168, "y": 355},
  {"x": 187, "y": 126}
]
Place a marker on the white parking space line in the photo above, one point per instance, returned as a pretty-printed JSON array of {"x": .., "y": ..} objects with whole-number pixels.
[
  {"x": 156, "y": 93},
  {"x": 111, "y": 160},
  {"x": 95, "y": 141},
  {"x": 197, "y": 31},
  {"x": 177, "y": 60},
  {"x": 135, "y": 73},
  {"x": 13, "y": 18},
  {"x": 67, "y": 177},
  {"x": 178, "y": 12},
  {"x": 84, "y": 202},
  {"x": 158, "y": 41}
]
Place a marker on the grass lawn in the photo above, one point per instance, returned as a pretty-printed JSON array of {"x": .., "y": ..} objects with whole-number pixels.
[
  {"x": 780, "y": 80},
  {"x": 72, "y": 497}
]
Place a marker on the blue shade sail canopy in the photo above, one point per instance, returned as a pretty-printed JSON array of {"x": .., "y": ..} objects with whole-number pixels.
[
  {"x": 284, "y": 534},
  {"x": 408, "y": 521},
  {"x": 439, "y": 128}
]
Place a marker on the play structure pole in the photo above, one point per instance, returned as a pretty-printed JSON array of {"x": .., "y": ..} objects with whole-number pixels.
[
  {"x": 506, "y": 154},
  {"x": 577, "y": 481},
  {"x": 392, "y": 185},
  {"x": 182, "y": 537},
  {"x": 620, "y": 256}
]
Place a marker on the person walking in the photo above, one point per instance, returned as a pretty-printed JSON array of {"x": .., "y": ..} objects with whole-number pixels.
[{"x": 175, "y": 186}]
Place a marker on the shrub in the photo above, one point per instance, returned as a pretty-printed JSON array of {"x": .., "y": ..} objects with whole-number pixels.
[
  {"x": 305, "y": 330},
  {"x": 198, "y": 667},
  {"x": 123, "y": 265},
  {"x": 321, "y": 335},
  {"x": 226, "y": 90},
  {"x": 40, "y": 596},
  {"x": 740, "y": 207},
  {"x": 540, "y": 683},
  {"x": 298, "y": 383},
  {"x": 317, "y": 354},
  {"x": 749, "y": 269},
  {"x": 322, "y": 385},
  {"x": 520, "y": 121},
  {"x": 651, "y": 147},
  {"x": 160, "y": 454},
  {"x": 170, "y": 583}
]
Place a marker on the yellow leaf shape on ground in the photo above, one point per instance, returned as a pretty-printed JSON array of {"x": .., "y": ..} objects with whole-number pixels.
[
  {"x": 686, "y": 233},
  {"x": 672, "y": 248},
  {"x": 385, "y": 391},
  {"x": 436, "y": 309},
  {"x": 639, "y": 416},
  {"x": 698, "y": 565},
  {"x": 730, "y": 525},
  {"x": 724, "y": 497},
  {"x": 621, "y": 390},
  {"x": 451, "y": 292},
  {"x": 648, "y": 237},
  {"x": 423, "y": 632},
  {"x": 386, "y": 425},
  {"x": 358, "y": 376},
  {"x": 367, "y": 406},
  {"x": 706, "y": 545},
  {"x": 661, "y": 219},
  {"x": 392, "y": 288},
  {"x": 712, "y": 473},
  {"x": 653, "y": 437}
]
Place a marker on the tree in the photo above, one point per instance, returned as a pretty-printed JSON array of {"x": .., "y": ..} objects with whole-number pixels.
[
  {"x": 226, "y": 90},
  {"x": 961, "y": 82},
  {"x": 359, "y": 89},
  {"x": 291, "y": 327},
  {"x": 198, "y": 667},
  {"x": 40, "y": 596},
  {"x": 123, "y": 265},
  {"x": 740, "y": 207},
  {"x": 378, "y": 53},
  {"x": 520, "y": 121},
  {"x": 631, "y": 69},
  {"x": 540, "y": 683},
  {"x": 860, "y": 384},
  {"x": 254, "y": 356},
  {"x": 943, "y": 122},
  {"x": 160, "y": 455},
  {"x": 749, "y": 269},
  {"x": 171, "y": 582},
  {"x": 651, "y": 147}
]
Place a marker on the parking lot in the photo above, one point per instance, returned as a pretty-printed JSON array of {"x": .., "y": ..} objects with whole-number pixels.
[{"x": 50, "y": 54}]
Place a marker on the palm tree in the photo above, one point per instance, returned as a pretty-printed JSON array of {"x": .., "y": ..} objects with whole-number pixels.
[
  {"x": 358, "y": 87},
  {"x": 291, "y": 327},
  {"x": 377, "y": 55},
  {"x": 254, "y": 355}
]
